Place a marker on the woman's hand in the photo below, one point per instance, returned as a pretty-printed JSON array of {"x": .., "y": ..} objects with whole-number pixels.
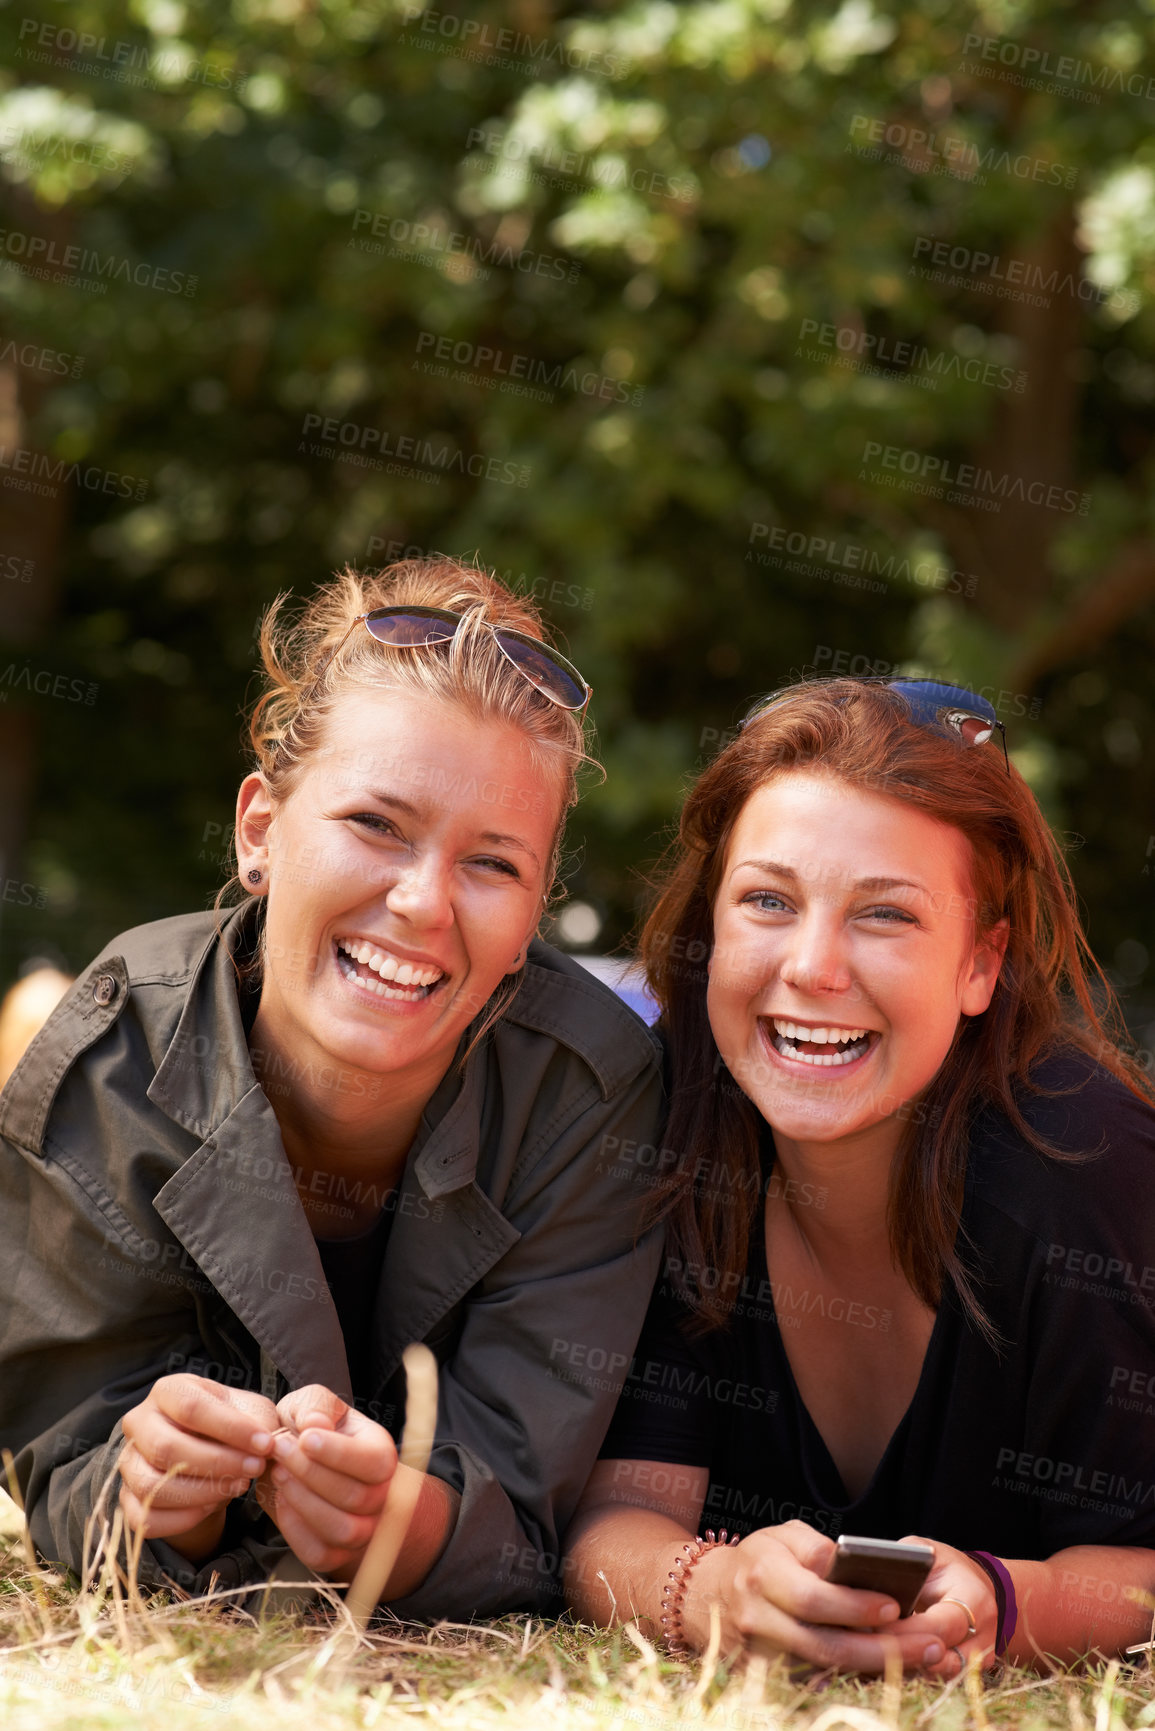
[
  {"x": 219, "y": 1438},
  {"x": 774, "y": 1598},
  {"x": 329, "y": 1480},
  {"x": 955, "y": 1586}
]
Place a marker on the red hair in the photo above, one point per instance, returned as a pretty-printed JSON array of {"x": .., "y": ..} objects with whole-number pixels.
[{"x": 1045, "y": 996}]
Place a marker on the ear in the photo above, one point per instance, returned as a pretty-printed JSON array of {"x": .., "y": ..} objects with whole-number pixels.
[
  {"x": 254, "y": 819},
  {"x": 985, "y": 964},
  {"x": 519, "y": 960}
]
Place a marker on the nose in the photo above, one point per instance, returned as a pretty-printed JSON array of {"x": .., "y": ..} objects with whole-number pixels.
[
  {"x": 815, "y": 954},
  {"x": 421, "y": 892}
]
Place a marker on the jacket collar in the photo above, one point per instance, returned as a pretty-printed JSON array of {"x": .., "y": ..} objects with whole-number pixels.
[{"x": 206, "y": 1070}]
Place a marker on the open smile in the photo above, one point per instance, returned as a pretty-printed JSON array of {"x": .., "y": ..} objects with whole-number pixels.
[
  {"x": 377, "y": 971},
  {"x": 818, "y": 1046}
]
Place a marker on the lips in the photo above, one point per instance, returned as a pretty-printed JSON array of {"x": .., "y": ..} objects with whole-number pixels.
[
  {"x": 823, "y": 1046},
  {"x": 377, "y": 969}
]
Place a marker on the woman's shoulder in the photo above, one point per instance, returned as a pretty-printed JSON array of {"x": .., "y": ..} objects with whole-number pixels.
[
  {"x": 572, "y": 1008},
  {"x": 130, "y": 997},
  {"x": 1102, "y": 1133}
]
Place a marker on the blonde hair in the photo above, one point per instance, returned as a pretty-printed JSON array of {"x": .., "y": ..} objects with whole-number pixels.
[{"x": 305, "y": 679}]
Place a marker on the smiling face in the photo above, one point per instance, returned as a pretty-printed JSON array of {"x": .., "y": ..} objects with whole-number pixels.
[
  {"x": 844, "y": 955},
  {"x": 405, "y": 873}
]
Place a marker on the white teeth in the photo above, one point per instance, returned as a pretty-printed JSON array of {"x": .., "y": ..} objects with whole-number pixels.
[
  {"x": 823, "y": 1060},
  {"x": 408, "y": 974},
  {"x": 819, "y": 1036}
]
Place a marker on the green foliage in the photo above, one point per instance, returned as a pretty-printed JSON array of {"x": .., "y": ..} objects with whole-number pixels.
[{"x": 676, "y": 266}]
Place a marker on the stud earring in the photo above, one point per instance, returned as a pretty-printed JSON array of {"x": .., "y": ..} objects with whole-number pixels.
[{"x": 254, "y": 876}]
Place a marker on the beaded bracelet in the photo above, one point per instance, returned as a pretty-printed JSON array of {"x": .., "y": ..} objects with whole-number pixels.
[
  {"x": 674, "y": 1591},
  {"x": 1000, "y": 1579}
]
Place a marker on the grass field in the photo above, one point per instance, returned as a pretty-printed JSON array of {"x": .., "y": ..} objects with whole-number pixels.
[{"x": 108, "y": 1659}]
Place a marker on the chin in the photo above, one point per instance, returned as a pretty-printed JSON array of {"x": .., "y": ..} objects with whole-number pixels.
[{"x": 812, "y": 1125}]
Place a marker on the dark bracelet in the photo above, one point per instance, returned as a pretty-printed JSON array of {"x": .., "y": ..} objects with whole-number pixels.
[
  {"x": 674, "y": 1591},
  {"x": 1000, "y": 1579}
]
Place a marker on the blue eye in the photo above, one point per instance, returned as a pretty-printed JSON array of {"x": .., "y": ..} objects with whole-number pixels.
[{"x": 759, "y": 899}]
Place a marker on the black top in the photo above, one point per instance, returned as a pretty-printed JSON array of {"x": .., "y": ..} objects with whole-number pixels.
[
  {"x": 353, "y": 1273},
  {"x": 1053, "y": 1444}
]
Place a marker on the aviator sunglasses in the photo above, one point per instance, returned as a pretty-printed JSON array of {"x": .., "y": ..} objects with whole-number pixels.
[
  {"x": 950, "y": 708},
  {"x": 420, "y": 627}
]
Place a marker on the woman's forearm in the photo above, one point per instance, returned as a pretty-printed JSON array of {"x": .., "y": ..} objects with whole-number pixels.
[
  {"x": 1078, "y": 1602},
  {"x": 617, "y": 1563},
  {"x": 428, "y": 1534}
]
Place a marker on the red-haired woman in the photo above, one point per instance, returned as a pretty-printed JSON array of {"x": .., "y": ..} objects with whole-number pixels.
[{"x": 909, "y": 1288}]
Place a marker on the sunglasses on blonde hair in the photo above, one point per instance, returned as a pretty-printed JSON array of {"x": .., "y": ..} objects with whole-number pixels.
[
  {"x": 423, "y": 627},
  {"x": 950, "y": 709}
]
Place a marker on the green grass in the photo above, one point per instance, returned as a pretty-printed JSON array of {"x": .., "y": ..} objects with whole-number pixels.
[{"x": 111, "y": 1660}]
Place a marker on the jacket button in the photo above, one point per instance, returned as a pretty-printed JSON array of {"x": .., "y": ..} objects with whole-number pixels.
[{"x": 105, "y": 988}]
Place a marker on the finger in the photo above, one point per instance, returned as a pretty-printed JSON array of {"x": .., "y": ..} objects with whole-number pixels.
[
  {"x": 160, "y": 1523},
  {"x": 808, "y": 1598},
  {"x": 257, "y": 1407},
  {"x": 313, "y": 1401},
  {"x": 331, "y": 1526},
  {"x": 946, "y": 1620},
  {"x": 843, "y": 1649},
  {"x": 355, "y": 1496},
  {"x": 178, "y": 1491},
  {"x": 313, "y": 1550},
  {"x": 196, "y": 1405},
  {"x": 164, "y": 1444},
  {"x": 367, "y": 1454},
  {"x": 953, "y": 1664},
  {"x": 814, "y": 1550}
]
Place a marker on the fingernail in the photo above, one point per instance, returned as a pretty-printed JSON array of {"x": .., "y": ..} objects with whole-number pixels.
[
  {"x": 282, "y": 1447},
  {"x": 253, "y": 1464},
  {"x": 312, "y": 1442},
  {"x": 933, "y": 1653},
  {"x": 888, "y": 1612},
  {"x": 260, "y": 1439}
]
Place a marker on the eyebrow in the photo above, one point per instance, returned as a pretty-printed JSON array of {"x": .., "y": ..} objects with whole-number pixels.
[
  {"x": 776, "y": 869},
  {"x": 496, "y": 838}
]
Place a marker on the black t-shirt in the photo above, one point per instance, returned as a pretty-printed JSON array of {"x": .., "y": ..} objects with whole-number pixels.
[
  {"x": 1048, "y": 1445},
  {"x": 353, "y": 1273}
]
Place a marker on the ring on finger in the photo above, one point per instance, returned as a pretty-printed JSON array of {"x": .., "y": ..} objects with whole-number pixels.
[
  {"x": 972, "y": 1628},
  {"x": 962, "y": 1664}
]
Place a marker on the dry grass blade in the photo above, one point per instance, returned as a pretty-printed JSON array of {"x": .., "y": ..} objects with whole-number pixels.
[
  {"x": 416, "y": 1446},
  {"x": 857, "y": 1718},
  {"x": 973, "y": 1679},
  {"x": 30, "y": 1558},
  {"x": 710, "y": 1656},
  {"x": 1103, "y": 1706},
  {"x": 892, "y": 1685}
]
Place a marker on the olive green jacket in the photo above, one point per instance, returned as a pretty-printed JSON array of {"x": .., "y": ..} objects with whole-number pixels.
[{"x": 149, "y": 1222}]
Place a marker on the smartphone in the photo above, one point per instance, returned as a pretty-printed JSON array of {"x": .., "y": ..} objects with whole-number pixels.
[{"x": 883, "y": 1566}]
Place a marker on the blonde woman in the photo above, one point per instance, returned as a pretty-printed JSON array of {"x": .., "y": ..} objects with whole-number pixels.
[{"x": 254, "y": 1154}]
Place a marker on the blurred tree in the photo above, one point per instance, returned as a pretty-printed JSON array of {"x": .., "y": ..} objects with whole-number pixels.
[{"x": 749, "y": 336}]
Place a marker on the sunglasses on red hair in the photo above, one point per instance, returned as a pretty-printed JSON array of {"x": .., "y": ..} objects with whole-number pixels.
[{"x": 952, "y": 709}]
